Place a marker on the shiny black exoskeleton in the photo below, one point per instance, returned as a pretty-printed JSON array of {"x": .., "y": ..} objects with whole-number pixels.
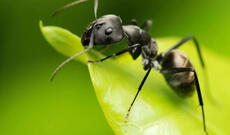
[
  {"x": 173, "y": 64},
  {"x": 139, "y": 40}
]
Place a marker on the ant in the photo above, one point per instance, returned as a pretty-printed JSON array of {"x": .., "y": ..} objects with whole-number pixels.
[{"x": 175, "y": 65}]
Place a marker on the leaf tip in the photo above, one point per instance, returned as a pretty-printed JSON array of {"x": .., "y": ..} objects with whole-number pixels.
[{"x": 41, "y": 25}]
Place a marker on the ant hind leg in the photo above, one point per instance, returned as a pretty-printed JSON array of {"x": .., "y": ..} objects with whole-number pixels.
[
  {"x": 184, "y": 40},
  {"x": 179, "y": 70}
]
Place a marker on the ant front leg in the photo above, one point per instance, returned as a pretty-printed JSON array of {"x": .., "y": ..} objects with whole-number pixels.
[
  {"x": 179, "y": 70},
  {"x": 116, "y": 54}
]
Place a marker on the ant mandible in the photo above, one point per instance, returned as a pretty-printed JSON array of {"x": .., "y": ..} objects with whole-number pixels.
[{"x": 175, "y": 65}]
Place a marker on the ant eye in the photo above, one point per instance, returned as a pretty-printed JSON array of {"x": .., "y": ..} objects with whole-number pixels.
[
  {"x": 98, "y": 26},
  {"x": 108, "y": 31}
]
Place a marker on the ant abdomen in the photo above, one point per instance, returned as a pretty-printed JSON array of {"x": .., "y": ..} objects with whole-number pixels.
[{"x": 182, "y": 83}]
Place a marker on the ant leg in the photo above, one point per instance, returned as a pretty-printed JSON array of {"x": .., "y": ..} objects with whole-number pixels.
[
  {"x": 178, "y": 70},
  {"x": 68, "y": 6},
  {"x": 146, "y": 26},
  {"x": 196, "y": 44},
  {"x": 139, "y": 89},
  {"x": 133, "y": 22},
  {"x": 117, "y": 54}
]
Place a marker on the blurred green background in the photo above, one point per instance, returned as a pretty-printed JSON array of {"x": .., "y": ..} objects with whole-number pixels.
[{"x": 31, "y": 105}]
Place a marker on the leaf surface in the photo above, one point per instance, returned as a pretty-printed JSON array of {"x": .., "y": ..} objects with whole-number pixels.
[{"x": 158, "y": 110}]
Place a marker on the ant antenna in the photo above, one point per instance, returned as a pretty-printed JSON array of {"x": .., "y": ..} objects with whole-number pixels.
[
  {"x": 95, "y": 8},
  {"x": 68, "y": 6},
  {"x": 91, "y": 36},
  {"x": 73, "y": 57}
]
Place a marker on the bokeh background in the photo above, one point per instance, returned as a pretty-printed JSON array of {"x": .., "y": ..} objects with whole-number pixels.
[{"x": 31, "y": 105}]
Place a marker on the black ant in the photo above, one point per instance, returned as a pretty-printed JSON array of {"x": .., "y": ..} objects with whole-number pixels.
[{"x": 173, "y": 64}]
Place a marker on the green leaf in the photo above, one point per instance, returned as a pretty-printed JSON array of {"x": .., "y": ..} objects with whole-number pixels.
[
  {"x": 158, "y": 110},
  {"x": 63, "y": 41}
]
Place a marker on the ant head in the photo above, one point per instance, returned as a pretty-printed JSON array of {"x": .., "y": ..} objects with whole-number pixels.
[{"x": 106, "y": 30}]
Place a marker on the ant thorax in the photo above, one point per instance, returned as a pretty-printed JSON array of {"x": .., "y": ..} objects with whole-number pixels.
[
  {"x": 136, "y": 35},
  {"x": 148, "y": 48}
]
